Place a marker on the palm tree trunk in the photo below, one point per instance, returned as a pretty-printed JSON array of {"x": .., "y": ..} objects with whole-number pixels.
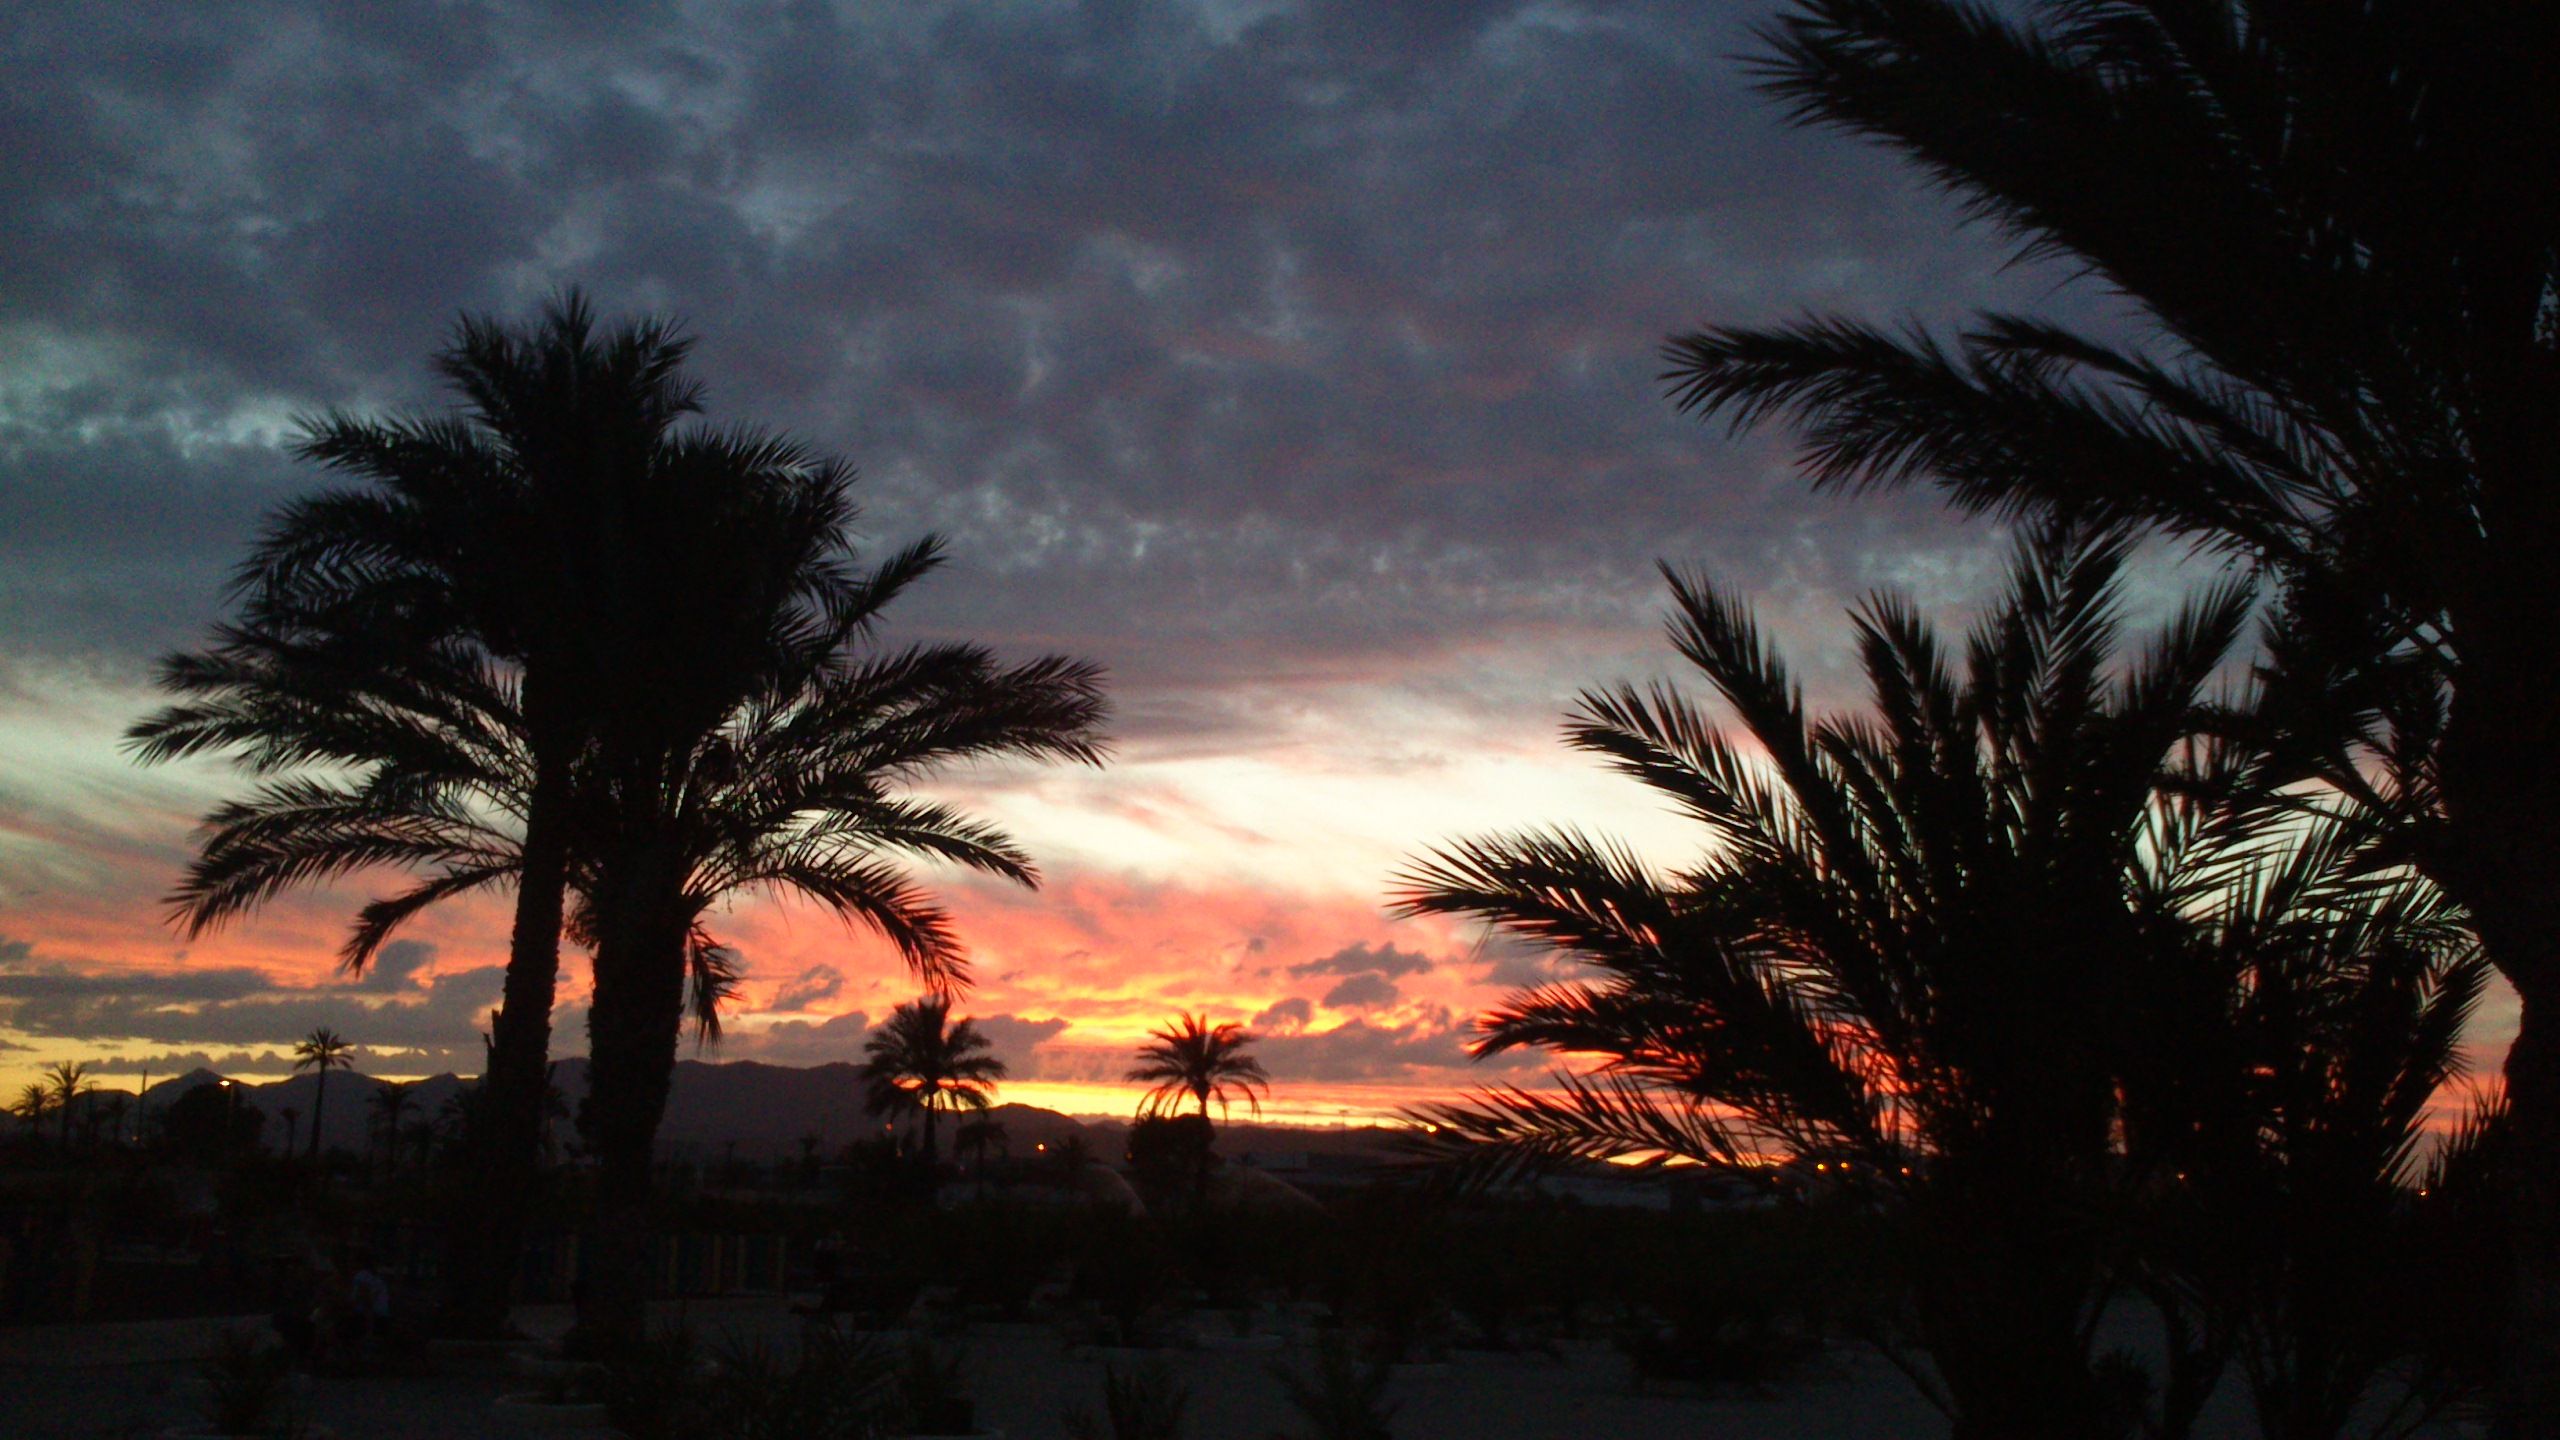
[
  {"x": 2001, "y": 1274},
  {"x": 632, "y": 1031},
  {"x": 2530, "y": 1400},
  {"x": 929, "y": 1117},
  {"x": 2502, "y": 805},
  {"x": 319, "y": 1106},
  {"x": 505, "y": 1136},
  {"x": 2003, "y": 1334}
]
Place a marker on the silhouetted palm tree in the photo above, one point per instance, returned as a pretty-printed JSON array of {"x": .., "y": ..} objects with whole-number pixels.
[
  {"x": 785, "y": 777},
  {"x": 1923, "y": 942},
  {"x": 320, "y": 1052},
  {"x": 392, "y": 1104},
  {"x": 66, "y": 1081},
  {"x": 2278, "y": 1113},
  {"x": 2345, "y": 256},
  {"x": 923, "y": 1061},
  {"x": 31, "y": 1105},
  {"x": 109, "y": 1115},
  {"x": 450, "y": 630},
  {"x": 727, "y": 735},
  {"x": 1193, "y": 1059},
  {"x": 292, "y": 1127},
  {"x": 982, "y": 1137}
]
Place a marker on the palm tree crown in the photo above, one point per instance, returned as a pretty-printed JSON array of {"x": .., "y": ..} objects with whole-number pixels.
[
  {"x": 31, "y": 1105},
  {"x": 1865, "y": 962},
  {"x": 924, "y": 1062},
  {"x": 392, "y": 1105},
  {"x": 1193, "y": 1059},
  {"x": 440, "y": 641},
  {"x": 67, "y": 1081},
  {"x": 1982, "y": 942},
  {"x": 320, "y": 1052}
]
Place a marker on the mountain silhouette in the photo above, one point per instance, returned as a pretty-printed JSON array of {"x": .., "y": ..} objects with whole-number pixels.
[{"x": 763, "y": 1110}]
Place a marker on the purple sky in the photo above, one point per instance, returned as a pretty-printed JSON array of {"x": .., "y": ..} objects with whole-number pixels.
[{"x": 1297, "y": 362}]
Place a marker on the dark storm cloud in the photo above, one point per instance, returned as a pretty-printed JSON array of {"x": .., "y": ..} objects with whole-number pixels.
[
  {"x": 801, "y": 1042},
  {"x": 25, "y": 978},
  {"x": 241, "y": 1007},
  {"x": 1357, "y": 959},
  {"x": 396, "y": 964},
  {"x": 1222, "y": 349},
  {"x": 1364, "y": 1049},
  {"x": 1012, "y": 1038},
  {"x": 1362, "y": 992},
  {"x": 1285, "y": 1017},
  {"x": 813, "y": 986}
]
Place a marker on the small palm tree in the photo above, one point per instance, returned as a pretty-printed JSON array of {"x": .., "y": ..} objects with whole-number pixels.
[
  {"x": 924, "y": 1062},
  {"x": 980, "y": 1137},
  {"x": 320, "y": 1052},
  {"x": 66, "y": 1081},
  {"x": 391, "y": 1107},
  {"x": 31, "y": 1105},
  {"x": 2298, "y": 1124},
  {"x": 1193, "y": 1059}
]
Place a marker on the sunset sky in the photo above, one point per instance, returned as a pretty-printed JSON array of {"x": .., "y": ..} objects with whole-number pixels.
[{"x": 1296, "y": 362}]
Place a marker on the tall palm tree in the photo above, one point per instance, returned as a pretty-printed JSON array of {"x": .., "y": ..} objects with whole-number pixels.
[
  {"x": 481, "y": 567},
  {"x": 796, "y": 788},
  {"x": 763, "y": 740},
  {"x": 1924, "y": 941},
  {"x": 923, "y": 1061},
  {"x": 1193, "y": 1059},
  {"x": 726, "y": 735},
  {"x": 66, "y": 1081},
  {"x": 2344, "y": 256},
  {"x": 320, "y": 1052}
]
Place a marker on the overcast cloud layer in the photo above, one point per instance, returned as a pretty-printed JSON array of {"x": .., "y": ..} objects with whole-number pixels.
[{"x": 1295, "y": 361}]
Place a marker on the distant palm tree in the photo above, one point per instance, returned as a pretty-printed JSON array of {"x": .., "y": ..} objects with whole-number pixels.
[
  {"x": 1193, "y": 1059},
  {"x": 420, "y": 1138},
  {"x": 983, "y": 1136},
  {"x": 391, "y": 1105},
  {"x": 109, "y": 1115},
  {"x": 31, "y": 1105},
  {"x": 320, "y": 1052},
  {"x": 923, "y": 1061},
  {"x": 2339, "y": 364},
  {"x": 66, "y": 1082}
]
